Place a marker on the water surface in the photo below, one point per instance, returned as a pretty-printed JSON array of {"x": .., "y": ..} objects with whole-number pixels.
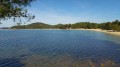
[{"x": 58, "y": 48}]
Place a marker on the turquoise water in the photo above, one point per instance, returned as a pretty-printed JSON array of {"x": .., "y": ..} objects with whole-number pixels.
[{"x": 40, "y": 48}]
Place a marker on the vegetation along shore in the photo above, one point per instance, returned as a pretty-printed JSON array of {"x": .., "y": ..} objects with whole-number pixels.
[{"x": 107, "y": 27}]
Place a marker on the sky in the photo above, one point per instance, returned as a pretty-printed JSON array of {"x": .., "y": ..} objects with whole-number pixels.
[{"x": 72, "y": 11}]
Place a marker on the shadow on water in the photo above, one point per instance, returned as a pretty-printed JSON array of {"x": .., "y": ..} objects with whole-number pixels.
[{"x": 11, "y": 62}]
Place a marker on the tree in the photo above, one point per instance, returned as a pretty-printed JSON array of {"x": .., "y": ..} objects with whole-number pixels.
[
  {"x": 116, "y": 25},
  {"x": 15, "y": 9}
]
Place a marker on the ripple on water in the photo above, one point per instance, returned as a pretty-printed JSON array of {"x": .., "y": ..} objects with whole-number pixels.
[
  {"x": 11, "y": 62},
  {"x": 58, "y": 48}
]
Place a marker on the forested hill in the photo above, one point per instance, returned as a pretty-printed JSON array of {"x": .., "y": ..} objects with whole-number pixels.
[
  {"x": 37, "y": 25},
  {"x": 115, "y": 25}
]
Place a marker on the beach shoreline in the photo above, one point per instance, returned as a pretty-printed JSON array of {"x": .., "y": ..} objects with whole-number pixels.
[
  {"x": 99, "y": 30},
  {"x": 105, "y": 31}
]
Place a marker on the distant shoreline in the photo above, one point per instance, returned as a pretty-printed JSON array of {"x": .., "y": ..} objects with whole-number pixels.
[{"x": 97, "y": 30}]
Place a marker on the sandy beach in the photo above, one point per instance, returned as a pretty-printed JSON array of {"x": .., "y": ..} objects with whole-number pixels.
[
  {"x": 100, "y": 30},
  {"x": 105, "y": 31}
]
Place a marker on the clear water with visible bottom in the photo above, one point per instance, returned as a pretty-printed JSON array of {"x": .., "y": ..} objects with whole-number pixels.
[{"x": 58, "y": 48}]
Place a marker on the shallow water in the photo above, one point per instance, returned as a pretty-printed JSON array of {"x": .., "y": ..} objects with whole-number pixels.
[{"x": 58, "y": 48}]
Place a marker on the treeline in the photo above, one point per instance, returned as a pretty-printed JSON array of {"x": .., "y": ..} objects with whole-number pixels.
[{"x": 115, "y": 25}]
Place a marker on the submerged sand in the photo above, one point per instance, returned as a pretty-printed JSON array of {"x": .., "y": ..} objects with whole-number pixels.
[{"x": 66, "y": 61}]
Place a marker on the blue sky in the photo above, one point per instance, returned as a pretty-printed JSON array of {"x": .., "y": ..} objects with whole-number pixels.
[{"x": 72, "y": 11}]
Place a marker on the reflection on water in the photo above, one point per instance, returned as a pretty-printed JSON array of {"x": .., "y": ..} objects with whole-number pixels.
[{"x": 58, "y": 48}]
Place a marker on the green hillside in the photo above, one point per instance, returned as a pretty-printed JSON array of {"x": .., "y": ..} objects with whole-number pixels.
[{"x": 115, "y": 25}]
